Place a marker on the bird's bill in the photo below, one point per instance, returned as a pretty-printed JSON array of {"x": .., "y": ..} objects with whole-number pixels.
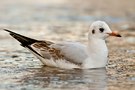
[{"x": 116, "y": 34}]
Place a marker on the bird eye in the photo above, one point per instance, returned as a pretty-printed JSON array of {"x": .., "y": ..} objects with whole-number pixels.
[{"x": 101, "y": 29}]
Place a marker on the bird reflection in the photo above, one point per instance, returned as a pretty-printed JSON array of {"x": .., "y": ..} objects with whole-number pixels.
[{"x": 53, "y": 78}]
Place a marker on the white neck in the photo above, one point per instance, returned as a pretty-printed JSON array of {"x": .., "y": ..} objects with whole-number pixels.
[{"x": 97, "y": 53}]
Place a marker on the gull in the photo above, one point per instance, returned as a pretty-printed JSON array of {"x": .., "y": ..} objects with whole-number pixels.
[{"x": 69, "y": 54}]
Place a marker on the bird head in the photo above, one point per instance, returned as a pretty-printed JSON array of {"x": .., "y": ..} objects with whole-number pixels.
[{"x": 100, "y": 30}]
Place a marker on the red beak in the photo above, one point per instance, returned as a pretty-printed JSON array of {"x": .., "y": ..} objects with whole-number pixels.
[{"x": 114, "y": 34}]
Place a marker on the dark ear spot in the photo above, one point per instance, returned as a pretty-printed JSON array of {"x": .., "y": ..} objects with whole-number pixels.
[
  {"x": 93, "y": 31},
  {"x": 101, "y": 29}
]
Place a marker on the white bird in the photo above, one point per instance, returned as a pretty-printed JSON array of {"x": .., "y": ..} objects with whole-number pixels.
[{"x": 70, "y": 55}]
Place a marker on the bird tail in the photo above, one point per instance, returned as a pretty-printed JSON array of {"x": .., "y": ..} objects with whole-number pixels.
[{"x": 25, "y": 41}]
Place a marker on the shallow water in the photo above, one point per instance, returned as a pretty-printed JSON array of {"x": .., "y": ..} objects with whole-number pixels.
[{"x": 19, "y": 70}]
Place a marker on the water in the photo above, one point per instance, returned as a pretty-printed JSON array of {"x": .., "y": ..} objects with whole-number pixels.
[
  {"x": 21, "y": 71},
  {"x": 18, "y": 13},
  {"x": 73, "y": 79}
]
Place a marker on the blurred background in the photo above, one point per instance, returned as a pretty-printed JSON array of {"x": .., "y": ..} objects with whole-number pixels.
[
  {"x": 40, "y": 17},
  {"x": 59, "y": 20}
]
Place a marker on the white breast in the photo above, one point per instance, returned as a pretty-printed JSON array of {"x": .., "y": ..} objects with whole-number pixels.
[{"x": 97, "y": 54}]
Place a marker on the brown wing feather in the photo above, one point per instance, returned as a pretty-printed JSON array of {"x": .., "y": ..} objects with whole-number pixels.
[
  {"x": 46, "y": 51},
  {"x": 49, "y": 52},
  {"x": 40, "y": 48}
]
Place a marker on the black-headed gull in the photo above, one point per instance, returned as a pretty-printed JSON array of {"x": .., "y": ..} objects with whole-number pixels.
[{"x": 69, "y": 55}]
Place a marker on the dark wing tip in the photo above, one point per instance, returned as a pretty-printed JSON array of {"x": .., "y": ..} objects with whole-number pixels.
[
  {"x": 25, "y": 41},
  {"x": 7, "y": 30}
]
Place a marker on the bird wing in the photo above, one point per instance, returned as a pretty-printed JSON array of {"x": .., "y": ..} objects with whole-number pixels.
[
  {"x": 73, "y": 51},
  {"x": 70, "y": 51}
]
